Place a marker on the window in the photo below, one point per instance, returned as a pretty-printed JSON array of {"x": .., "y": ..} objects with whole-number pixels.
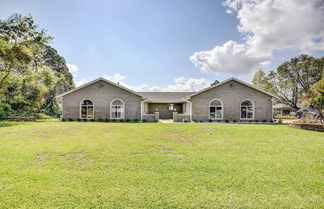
[
  {"x": 216, "y": 109},
  {"x": 247, "y": 109},
  {"x": 86, "y": 109},
  {"x": 117, "y": 109}
]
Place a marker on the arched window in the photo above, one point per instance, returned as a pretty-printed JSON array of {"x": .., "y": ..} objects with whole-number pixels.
[
  {"x": 117, "y": 109},
  {"x": 86, "y": 109},
  {"x": 216, "y": 109},
  {"x": 247, "y": 109}
]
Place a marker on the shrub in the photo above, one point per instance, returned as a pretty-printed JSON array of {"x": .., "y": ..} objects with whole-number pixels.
[
  {"x": 250, "y": 121},
  {"x": 85, "y": 120},
  {"x": 92, "y": 120},
  {"x": 100, "y": 120},
  {"x": 4, "y": 111},
  {"x": 79, "y": 119},
  {"x": 271, "y": 121},
  {"x": 226, "y": 121},
  {"x": 144, "y": 120},
  {"x": 70, "y": 119},
  {"x": 113, "y": 120},
  {"x": 210, "y": 120},
  {"x": 257, "y": 121},
  {"x": 136, "y": 120},
  {"x": 127, "y": 120},
  {"x": 264, "y": 121},
  {"x": 234, "y": 121},
  {"x": 63, "y": 119}
]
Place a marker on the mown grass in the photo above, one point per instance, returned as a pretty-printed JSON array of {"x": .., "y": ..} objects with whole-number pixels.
[{"x": 133, "y": 165}]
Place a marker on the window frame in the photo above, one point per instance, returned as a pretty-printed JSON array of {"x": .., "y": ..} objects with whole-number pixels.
[
  {"x": 80, "y": 109},
  {"x": 111, "y": 108},
  {"x": 253, "y": 110},
  {"x": 222, "y": 106}
]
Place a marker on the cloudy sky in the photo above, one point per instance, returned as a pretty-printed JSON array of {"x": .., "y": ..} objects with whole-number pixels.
[{"x": 176, "y": 45}]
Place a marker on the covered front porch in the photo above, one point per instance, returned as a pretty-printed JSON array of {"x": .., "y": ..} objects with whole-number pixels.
[
  {"x": 166, "y": 106},
  {"x": 178, "y": 112}
]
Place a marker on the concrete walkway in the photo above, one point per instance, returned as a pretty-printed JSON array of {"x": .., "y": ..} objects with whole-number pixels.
[{"x": 166, "y": 121}]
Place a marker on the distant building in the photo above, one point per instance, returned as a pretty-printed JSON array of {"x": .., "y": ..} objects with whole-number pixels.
[{"x": 283, "y": 109}]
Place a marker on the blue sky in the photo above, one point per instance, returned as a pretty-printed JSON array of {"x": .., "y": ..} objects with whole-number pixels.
[{"x": 148, "y": 44}]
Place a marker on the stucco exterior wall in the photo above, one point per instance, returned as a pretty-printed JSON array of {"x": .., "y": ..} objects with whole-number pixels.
[
  {"x": 101, "y": 93},
  {"x": 232, "y": 94}
]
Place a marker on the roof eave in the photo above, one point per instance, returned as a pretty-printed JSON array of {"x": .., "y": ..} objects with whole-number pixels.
[
  {"x": 101, "y": 79},
  {"x": 227, "y": 80}
]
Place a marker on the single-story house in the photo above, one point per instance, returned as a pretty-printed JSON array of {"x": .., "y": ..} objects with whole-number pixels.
[
  {"x": 230, "y": 100},
  {"x": 284, "y": 109}
]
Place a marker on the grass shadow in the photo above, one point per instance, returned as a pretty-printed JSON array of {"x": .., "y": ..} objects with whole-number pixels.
[{"x": 7, "y": 124}]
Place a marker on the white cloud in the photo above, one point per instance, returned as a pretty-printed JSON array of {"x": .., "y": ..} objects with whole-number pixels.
[
  {"x": 280, "y": 24},
  {"x": 180, "y": 84},
  {"x": 73, "y": 68},
  {"x": 115, "y": 78},
  {"x": 81, "y": 82},
  {"x": 231, "y": 58},
  {"x": 188, "y": 84},
  {"x": 267, "y": 25}
]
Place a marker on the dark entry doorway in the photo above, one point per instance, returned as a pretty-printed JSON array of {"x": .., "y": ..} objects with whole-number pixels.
[{"x": 165, "y": 110}]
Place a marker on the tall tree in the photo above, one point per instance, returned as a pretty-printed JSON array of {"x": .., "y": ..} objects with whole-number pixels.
[
  {"x": 292, "y": 80},
  {"x": 316, "y": 98},
  {"x": 261, "y": 81},
  {"x": 30, "y": 68}
]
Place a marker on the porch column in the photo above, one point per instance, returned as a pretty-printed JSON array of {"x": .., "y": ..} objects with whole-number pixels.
[
  {"x": 142, "y": 109},
  {"x": 190, "y": 110}
]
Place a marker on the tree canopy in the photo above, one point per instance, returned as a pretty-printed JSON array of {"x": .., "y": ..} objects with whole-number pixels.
[
  {"x": 294, "y": 80},
  {"x": 32, "y": 73}
]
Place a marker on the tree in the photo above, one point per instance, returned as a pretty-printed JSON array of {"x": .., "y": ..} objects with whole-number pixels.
[
  {"x": 285, "y": 89},
  {"x": 293, "y": 80},
  {"x": 215, "y": 82},
  {"x": 32, "y": 73},
  {"x": 20, "y": 42},
  {"x": 13, "y": 57},
  {"x": 316, "y": 98},
  {"x": 64, "y": 79},
  {"x": 261, "y": 81}
]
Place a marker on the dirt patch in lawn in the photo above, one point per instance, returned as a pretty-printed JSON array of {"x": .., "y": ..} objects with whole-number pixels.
[
  {"x": 80, "y": 154},
  {"x": 208, "y": 131},
  {"x": 167, "y": 151},
  {"x": 172, "y": 154},
  {"x": 137, "y": 153},
  {"x": 179, "y": 136}
]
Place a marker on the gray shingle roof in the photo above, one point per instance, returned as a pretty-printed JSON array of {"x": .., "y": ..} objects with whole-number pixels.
[{"x": 165, "y": 97}]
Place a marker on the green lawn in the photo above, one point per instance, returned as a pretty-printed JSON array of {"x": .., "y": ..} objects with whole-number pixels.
[{"x": 149, "y": 165}]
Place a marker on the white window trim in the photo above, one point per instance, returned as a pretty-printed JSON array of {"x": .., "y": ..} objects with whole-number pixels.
[
  {"x": 253, "y": 110},
  {"x": 123, "y": 115},
  {"x": 222, "y": 106},
  {"x": 93, "y": 106}
]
